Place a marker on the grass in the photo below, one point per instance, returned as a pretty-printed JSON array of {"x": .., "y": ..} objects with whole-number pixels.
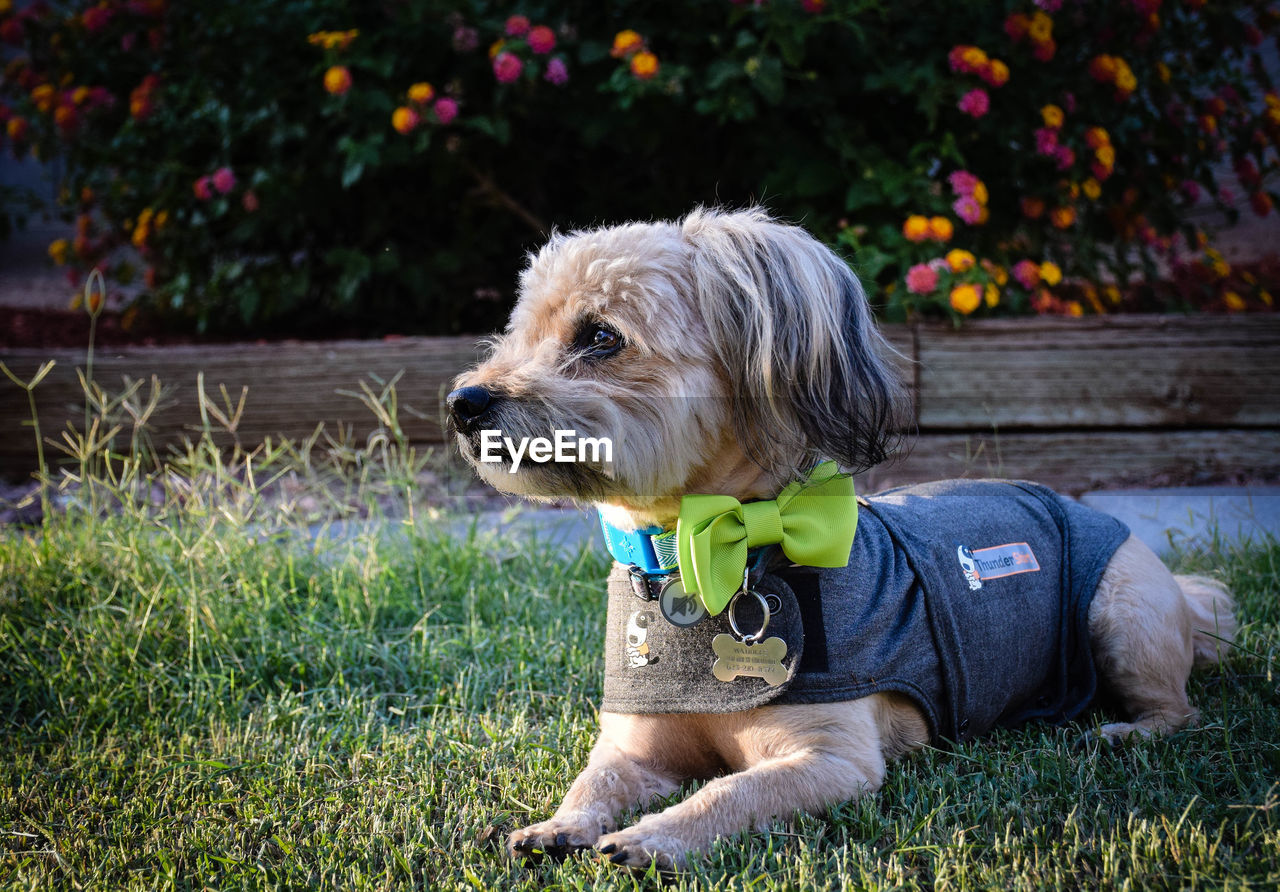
[{"x": 200, "y": 687}]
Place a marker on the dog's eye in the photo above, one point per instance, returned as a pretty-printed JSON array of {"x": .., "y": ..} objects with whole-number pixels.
[{"x": 597, "y": 341}]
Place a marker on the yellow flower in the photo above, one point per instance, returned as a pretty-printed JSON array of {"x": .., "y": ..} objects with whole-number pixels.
[
  {"x": 916, "y": 229},
  {"x": 626, "y": 42},
  {"x": 1265, "y": 296},
  {"x": 337, "y": 80},
  {"x": 404, "y": 119},
  {"x": 1112, "y": 293},
  {"x": 959, "y": 260},
  {"x": 1052, "y": 116},
  {"x": 980, "y": 194},
  {"x": 44, "y": 96},
  {"x": 1092, "y": 189},
  {"x": 1050, "y": 273},
  {"x": 1163, "y": 72},
  {"x": 1233, "y": 301},
  {"x": 1106, "y": 155},
  {"x": 161, "y": 219},
  {"x": 965, "y": 299},
  {"x": 991, "y": 295},
  {"x": 80, "y": 95},
  {"x": 941, "y": 229},
  {"x": 644, "y": 65},
  {"x": 975, "y": 58},
  {"x": 1074, "y": 308},
  {"x": 496, "y": 47},
  {"x": 421, "y": 93},
  {"x": 1040, "y": 28},
  {"x": 58, "y": 251}
]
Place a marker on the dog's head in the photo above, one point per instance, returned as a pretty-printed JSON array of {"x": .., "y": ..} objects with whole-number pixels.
[{"x": 723, "y": 353}]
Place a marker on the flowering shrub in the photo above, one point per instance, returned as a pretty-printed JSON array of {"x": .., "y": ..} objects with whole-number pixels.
[{"x": 319, "y": 162}]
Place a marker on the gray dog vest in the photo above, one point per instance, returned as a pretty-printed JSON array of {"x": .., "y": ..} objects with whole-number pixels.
[{"x": 970, "y": 597}]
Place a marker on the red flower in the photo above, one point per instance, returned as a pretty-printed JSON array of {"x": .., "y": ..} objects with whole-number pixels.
[
  {"x": 542, "y": 40},
  {"x": 1261, "y": 203},
  {"x": 517, "y": 26},
  {"x": 203, "y": 188}
]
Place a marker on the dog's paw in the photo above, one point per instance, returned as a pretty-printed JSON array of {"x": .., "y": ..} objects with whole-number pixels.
[
  {"x": 556, "y": 838},
  {"x": 638, "y": 847}
]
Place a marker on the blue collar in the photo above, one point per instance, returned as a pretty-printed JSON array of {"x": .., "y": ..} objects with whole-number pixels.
[{"x": 652, "y": 549}]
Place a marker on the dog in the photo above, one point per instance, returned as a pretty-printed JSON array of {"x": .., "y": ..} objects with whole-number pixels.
[{"x": 731, "y": 354}]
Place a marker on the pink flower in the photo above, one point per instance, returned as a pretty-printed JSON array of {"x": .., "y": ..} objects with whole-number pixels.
[
  {"x": 465, "y": 39},
  {"x": 557, "y": 73},
  {"x": 1046, "y": 141},
  {"x": 507, "y": 67},
  {"x": 966, "y": 207},
  {"x": 962, "y": 182},
  {"x": 201, "y": 188},
  {"x": 445, "y": 109},
  {"x": 1066, "y": 157},
  {"x": 976, "y": 103},
  {"x": 1027, "y": 272},
  {"x": 542, "y": 40},
  {"x": 1049, "y": 5},
  {"x": 922, "y": 279},
  {"x": 517, "y": 26},
  {"x": 224, "y": 180}
]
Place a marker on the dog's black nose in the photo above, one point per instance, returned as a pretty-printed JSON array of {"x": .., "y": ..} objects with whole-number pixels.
[{"x": 466, "y": 404}]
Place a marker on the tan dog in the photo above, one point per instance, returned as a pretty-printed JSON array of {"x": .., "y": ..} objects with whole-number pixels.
[{"x": 726, "y": 353}]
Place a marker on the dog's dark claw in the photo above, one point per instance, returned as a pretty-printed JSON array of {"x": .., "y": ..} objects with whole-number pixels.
[
  {"x": 561, "y": 839},
  {"x": 619, "y": 857},
  {"x": 611, "y": 847}
]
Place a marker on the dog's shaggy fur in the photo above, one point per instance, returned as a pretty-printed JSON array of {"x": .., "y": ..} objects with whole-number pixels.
[{"x": 722, "y": 354}]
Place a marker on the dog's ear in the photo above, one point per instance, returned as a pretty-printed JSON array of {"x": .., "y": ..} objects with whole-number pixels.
[{"x": 809, "y": 370}]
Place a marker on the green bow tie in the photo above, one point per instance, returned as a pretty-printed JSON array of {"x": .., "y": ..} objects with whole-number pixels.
[{"x": 813, "y": 520}]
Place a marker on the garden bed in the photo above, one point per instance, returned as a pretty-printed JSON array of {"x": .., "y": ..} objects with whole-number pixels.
[{"x": 1076, "y": 403}]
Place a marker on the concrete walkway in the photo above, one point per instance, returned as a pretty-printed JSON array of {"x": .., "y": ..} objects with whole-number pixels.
[{"x": 1165, "y": 519}]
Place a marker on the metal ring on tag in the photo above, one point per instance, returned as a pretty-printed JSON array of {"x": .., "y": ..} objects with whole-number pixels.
[{"x": 733, "y": 620}]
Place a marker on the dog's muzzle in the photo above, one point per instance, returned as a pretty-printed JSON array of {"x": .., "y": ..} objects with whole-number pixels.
[{"x": 469, "y": 407}]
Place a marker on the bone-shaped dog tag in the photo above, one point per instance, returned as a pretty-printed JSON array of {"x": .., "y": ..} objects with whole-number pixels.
[{"x": 763, "y": 660}]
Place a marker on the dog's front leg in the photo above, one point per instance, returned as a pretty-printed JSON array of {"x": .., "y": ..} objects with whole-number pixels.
[
  {"x": 635, "y": 759},
  {"x": 800, "y": 758}
]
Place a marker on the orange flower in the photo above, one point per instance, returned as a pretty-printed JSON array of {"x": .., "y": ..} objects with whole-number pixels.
[
  {"x": 1096, "y": 137},
  {"x": 1032, "y": 208},
  {"x": 940, "y": 229},
  {"x": 1062, "y": 217},
  {"x": 421, "y": 93},
  {"x": 404, "y": 119},
  {"x": 916, "y": 228},
  {"x": 625, "y": 43},
  {"x": 644, "y": 65},
  {"x": 1092, "y": 189},
  {"x": 1052, "y": 116},
  {"x": 965, "y": 299},
  {"x": 997, "y": 73},
  {"x": 337, "y": 80}
]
